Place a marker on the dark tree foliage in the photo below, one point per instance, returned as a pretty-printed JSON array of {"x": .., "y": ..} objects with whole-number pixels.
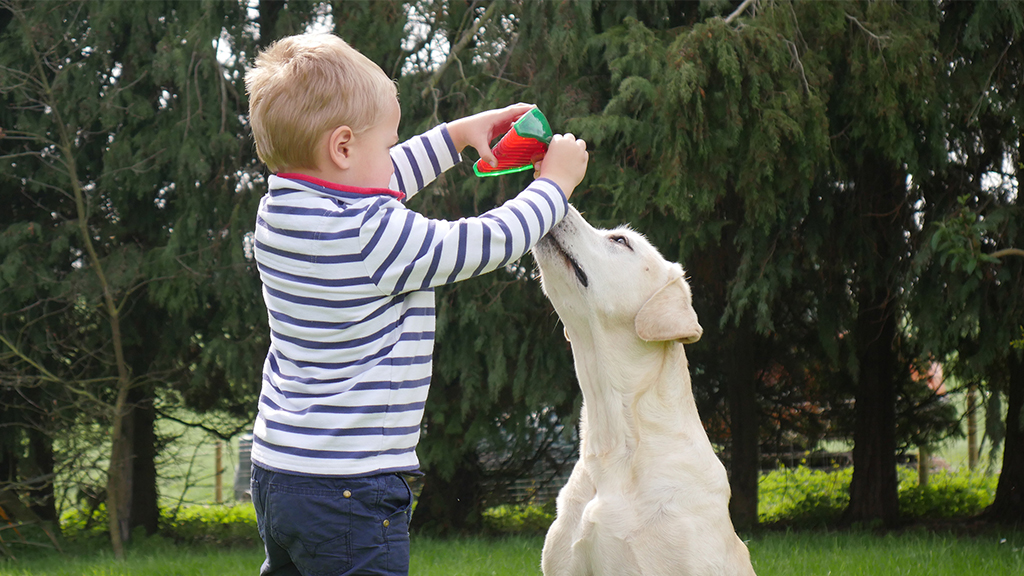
[{"x": 839, "y": 179}]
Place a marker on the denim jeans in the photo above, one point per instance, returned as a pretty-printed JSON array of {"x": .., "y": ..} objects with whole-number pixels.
[{"x": 321, "y": 526}]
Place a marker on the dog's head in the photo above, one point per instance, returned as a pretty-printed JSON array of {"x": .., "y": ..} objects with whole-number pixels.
[{"x": 614, "y": 279}]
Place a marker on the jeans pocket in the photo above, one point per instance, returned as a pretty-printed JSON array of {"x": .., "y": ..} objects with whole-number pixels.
[{"x": 314, "y": 526}]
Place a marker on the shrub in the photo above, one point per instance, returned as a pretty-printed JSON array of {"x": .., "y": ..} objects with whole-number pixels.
[
  {"x": 947, "y": 495},
  {"x": 226, "y": 524},
  {"x": 519, "y": 518},
  {"x": 803, "y": 496},
  {"x": 233, "y": 524}
]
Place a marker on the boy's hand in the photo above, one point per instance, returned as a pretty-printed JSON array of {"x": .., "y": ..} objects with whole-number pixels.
[
  {"x": 565, "y": 162},
  {"x": 480, "y": 129}
]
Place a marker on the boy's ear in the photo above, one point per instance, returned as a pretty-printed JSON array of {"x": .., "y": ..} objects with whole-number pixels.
[{"x": 339, "y": 144}]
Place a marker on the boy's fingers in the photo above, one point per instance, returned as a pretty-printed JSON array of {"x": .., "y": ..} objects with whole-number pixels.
[{"x": 487, "y": 156}]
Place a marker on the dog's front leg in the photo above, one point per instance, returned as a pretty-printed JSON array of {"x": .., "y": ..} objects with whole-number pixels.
[{"x": 558, "y": 555}]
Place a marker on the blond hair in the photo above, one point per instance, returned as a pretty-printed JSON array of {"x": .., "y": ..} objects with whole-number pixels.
[{"x": 303, "y": 86}]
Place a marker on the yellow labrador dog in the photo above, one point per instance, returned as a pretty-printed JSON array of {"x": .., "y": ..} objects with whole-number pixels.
[{"x": 648, "y": 495}]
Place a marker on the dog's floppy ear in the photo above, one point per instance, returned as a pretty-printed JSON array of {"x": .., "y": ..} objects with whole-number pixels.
[{"x": 668, "y": 315}]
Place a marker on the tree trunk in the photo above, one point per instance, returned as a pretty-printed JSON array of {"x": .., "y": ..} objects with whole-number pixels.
[
  {"x": 972, "y": 426},
  {"x": 880, "y": 197},
  {"x": 41, "y": 496},
  {"x": 746, "y": 456},
  {"x": 874, "y": 492},
  {"x": 1008, "y": 506},
  {"x": 145, "y": 511},
  {"x": 451, "y": 506}
]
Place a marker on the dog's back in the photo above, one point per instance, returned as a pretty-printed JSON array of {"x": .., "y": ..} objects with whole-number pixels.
[{"x": 648, "y": 495}]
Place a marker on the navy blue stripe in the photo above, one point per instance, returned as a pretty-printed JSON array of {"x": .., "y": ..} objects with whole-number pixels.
[
  {"x": 388, "y": 385},
  {"x": 485, "y": 255},
  {"x": 353, "y": 342},
  {"x": 435, "y": 262},
  {"x": 319, "y": 302},
  {"x": 396, "y": 249},
  {"x": 363, "y": 409},
  {"x": 556, "y": 187},
  {"x": 551, "y": 204},
  {"x": 331, "y": 454},
  {"x": 277, "y": 354},
  {"x": 536, "y": 212},
  {"x": 431, "y": 155},
  {"x": 327, "y": 282},
  {"x": 299, "y": 211},
  {"x": 451, "y": 145},
  {"x": 405, "y": 361},
  {"x": 522, "y": 220},
  {"x": 415, "y": 167},
  {"x": 460, "y": 256},
  {"x": 279, "y": 192},
  {"x": 508, "y": 238},
  {"x": 428, "y": 238},
  {"x": 382, "y": 227},
  {"x": 309, "y": 234},
  {"x": 276, "y": 369},
  {"x": 357, "y": 387},
  {"x": 388, "y": 305},
  {"x": 341, "y": 432},
  {"x": 370, "y": 210},
  {"x": 398, "y": 176},
  {"x": 311, "y": 258},
  {"x": 341, "y": 345}
]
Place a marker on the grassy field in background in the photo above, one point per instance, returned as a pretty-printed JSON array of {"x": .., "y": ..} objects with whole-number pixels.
[{"x": 773, "y": 553}]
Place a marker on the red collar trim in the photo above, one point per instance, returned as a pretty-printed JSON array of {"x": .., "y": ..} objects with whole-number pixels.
[{"x": 341, "y": 188}]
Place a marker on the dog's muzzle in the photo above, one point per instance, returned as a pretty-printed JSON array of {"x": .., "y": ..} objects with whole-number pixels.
[{"x": 580, "y": 274}]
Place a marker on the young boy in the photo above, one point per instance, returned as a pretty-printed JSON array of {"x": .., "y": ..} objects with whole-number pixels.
[{"x": 348, "y": 276}]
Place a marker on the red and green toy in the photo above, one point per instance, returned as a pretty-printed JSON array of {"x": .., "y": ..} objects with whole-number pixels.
[{"x": 528, "y": 138}]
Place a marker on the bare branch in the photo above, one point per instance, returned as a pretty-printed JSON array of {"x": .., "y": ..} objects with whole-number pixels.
[
  {"x": 467, "y": 35},
  {"x": 1007, "y": 252},
  {"x": 739, "y": 10},
  {"x": 879, "y": 39},
  {"x": 45, "y": 374}
]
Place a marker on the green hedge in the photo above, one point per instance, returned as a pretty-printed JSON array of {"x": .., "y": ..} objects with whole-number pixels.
[
  {"x": 797, "y": 496},
  {"x": 802, "y": 496},
  {"x": 230, "y": 524}
]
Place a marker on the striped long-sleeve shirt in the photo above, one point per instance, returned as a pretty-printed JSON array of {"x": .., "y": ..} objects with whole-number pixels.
[{"x": 348, "y": 277}]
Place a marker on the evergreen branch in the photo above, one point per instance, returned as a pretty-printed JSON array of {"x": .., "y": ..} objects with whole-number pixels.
[
  {"x": 736, "y": 13},
  {"x": 135, "y": 168},
  {"x": 46, "y": 185},
  {"x": 467, "y": 36}
]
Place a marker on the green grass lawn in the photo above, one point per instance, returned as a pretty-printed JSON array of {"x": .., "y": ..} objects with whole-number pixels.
[{"x": 916, "y": 551}]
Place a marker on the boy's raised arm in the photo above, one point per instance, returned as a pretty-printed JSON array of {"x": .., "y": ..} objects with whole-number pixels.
[{"x": 421, "y": 159}]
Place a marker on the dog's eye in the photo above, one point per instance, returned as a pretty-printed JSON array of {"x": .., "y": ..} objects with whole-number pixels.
[{"x": 621, "y": 240}]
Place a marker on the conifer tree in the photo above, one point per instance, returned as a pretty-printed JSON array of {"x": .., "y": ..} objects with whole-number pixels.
[{"x": 125, "y": 281}]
